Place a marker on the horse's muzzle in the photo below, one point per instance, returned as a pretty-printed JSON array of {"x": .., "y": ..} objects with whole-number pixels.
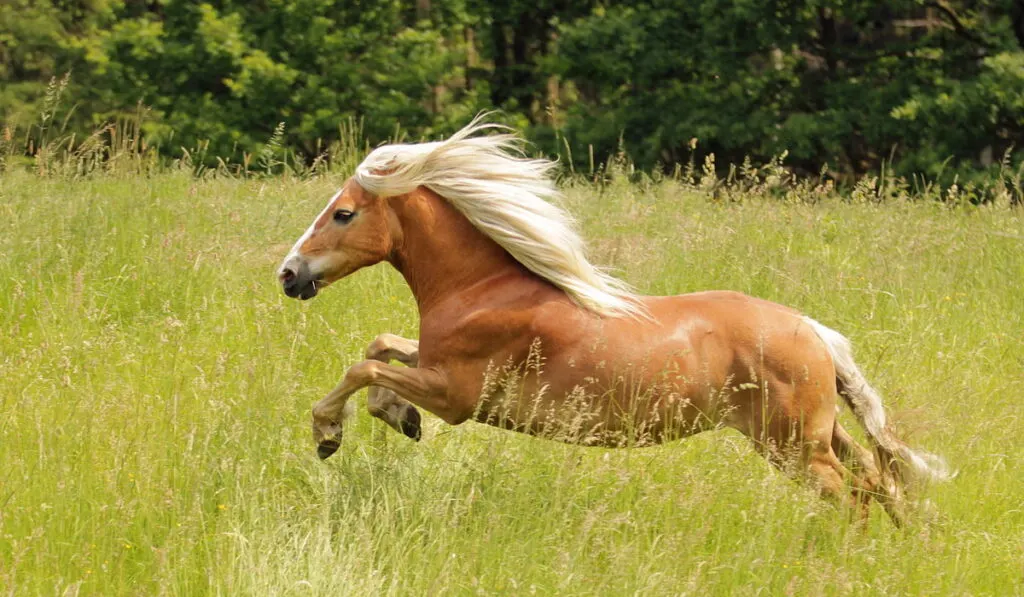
[{"x": 296, "y": 279}]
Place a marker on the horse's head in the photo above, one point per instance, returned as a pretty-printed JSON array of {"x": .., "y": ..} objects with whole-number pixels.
[{"x": 354, "y": 230}]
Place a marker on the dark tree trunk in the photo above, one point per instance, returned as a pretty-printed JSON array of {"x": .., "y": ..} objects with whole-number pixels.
[
  {"x": 829, "y": 35},
  {"x": 522, "y": 70},
  {"x": 470, "y": 57},
  {"x": 499, "y": 81},
  {"x": 1018, "y": 21},
  {"x": 422, "y": 10}
]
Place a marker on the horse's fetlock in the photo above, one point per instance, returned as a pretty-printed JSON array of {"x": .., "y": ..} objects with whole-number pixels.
[
  {"x": 320, "y": 413},
  {"x": 377, "y": 411}
]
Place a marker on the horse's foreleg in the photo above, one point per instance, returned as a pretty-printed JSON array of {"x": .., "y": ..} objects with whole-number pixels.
[
  {"x": 387, "y": 347},
  {"x": 384, "y": 403},
  {"x": 425, "y": 388}
]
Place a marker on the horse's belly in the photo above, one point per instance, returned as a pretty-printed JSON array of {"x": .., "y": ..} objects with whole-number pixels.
[{"x": 597, "y": 412}]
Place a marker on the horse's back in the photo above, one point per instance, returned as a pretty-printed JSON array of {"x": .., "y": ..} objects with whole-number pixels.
[
  {"x": 710, "y": 299},
  {"x": 745, "y": 339}
]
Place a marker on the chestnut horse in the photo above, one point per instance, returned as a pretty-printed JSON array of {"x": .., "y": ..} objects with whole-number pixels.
[{"x": 518, "y": 329}]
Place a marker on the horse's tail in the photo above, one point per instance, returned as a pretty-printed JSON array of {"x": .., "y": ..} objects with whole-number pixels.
[{"x": 895, "y": 457}]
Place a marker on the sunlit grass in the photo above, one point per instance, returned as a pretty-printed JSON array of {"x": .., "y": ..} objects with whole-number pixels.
[{"x": 154, "y": 415}]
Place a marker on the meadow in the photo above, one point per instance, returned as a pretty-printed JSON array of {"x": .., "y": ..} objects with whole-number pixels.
[{"x": 155, "y": 405}]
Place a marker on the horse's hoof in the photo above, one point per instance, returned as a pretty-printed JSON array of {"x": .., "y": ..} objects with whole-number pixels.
[
  {"x": 326, "y": 448},
  {"x": 411, "y": 424}
]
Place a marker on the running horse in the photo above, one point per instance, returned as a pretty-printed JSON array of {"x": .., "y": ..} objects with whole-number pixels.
[{"x": 519, "y": 330}]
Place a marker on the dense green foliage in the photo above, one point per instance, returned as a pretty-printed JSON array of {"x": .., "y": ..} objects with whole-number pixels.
[
  {"x": 932, "y": 86},
  {"x": 154, "y": 415}
]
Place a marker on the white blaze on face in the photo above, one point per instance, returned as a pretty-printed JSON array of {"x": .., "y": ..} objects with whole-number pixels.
[{"x": 294, "y": 253}]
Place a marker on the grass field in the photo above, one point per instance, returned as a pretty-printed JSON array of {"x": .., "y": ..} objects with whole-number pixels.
[{"x": 154, "y": 411}]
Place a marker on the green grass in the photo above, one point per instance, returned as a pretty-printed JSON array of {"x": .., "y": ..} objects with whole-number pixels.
[{"x": 154, "y": 412}]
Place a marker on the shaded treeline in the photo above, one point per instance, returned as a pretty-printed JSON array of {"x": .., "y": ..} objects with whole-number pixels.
[{"x": 923, "y": 86}]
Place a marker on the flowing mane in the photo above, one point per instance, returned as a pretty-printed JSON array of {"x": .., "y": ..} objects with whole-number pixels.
[{"x": 507, "y": 196}]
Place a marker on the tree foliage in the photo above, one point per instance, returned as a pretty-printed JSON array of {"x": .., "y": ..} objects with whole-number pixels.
[{"x": 929, "y": 85}]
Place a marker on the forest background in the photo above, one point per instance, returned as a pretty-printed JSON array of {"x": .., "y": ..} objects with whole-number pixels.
[{"x": 929, "y": 88}]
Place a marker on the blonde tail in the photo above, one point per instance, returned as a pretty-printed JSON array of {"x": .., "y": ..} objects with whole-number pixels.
[{"x": 907, "y": 465}]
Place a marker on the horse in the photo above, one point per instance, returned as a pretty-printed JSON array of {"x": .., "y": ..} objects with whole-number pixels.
[{"x": 518, "y": 329}]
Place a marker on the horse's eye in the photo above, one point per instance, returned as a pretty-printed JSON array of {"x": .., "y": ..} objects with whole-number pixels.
[{"x": 342, "y": 216}]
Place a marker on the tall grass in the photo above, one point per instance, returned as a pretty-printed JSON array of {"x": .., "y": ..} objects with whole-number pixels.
[{"x": 154, "y": 415}]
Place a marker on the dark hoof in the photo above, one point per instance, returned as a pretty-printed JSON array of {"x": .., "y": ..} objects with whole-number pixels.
[
  {"x": 411, "y": 424},
  {"x": 326, "y": 448}
]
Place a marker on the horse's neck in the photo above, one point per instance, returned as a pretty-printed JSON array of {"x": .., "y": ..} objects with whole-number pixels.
[{"x": 441, "y": 253}]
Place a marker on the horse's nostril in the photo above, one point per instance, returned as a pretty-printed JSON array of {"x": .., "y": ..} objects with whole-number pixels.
[{"x": 287, "y": 275}]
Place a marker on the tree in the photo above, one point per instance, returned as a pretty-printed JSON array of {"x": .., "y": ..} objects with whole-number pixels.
[{"x": 850, "y": 83}]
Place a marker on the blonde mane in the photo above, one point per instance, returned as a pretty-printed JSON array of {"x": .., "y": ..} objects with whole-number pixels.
[{"x": 507, "y": 197}]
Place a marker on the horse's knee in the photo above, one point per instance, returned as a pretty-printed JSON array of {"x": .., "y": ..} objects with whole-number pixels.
[
  {"x": 828, "y": 479},
  {"x": 379, "y": 348},
  {"x": 362, "y": 373}
]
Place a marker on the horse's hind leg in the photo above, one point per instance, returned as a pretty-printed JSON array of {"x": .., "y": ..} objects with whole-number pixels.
[
  {"x": 849, "y": 451},
  {"x": 817, "y": 463},
  {"x": 802, "y": 447},
  {"x": 384, "y": 403},
  {"x": 882, "y": 487},
  {"x": 837, "y": 483}
]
